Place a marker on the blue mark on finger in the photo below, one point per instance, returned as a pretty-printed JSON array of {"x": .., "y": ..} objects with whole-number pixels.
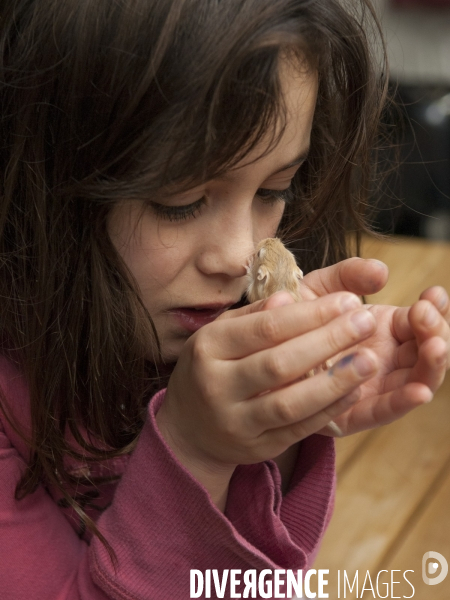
[{"x": 341, "y": 364}]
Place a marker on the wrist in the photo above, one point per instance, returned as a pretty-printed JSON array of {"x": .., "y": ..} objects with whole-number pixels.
[
  {"x": 214, "y": 477},
  {"x": 286, "y": 462}
]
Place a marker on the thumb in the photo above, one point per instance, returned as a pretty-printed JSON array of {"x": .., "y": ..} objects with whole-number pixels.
[
  {"x": 357, "y": 275},
  {"x": 281, "y": 298}
]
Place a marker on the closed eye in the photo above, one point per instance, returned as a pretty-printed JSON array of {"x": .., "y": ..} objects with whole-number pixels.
[
  {"x": 274, "y": 195},
  {"x": 179, "y": 213}
]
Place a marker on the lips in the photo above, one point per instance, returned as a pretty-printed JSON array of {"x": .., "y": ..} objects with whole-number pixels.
[
  {"x": 193, "y": 318},
  {"x": 211, "y": 307}
]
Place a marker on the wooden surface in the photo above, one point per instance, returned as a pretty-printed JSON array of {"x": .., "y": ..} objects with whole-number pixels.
[{"x": 393, "y": 493}]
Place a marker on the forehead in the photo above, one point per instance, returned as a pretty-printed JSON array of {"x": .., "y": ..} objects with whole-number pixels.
[
  {"x": 299, "y": 82},
  {"x": 284, "y": 142},
  {"x": 299, "y": 85}
]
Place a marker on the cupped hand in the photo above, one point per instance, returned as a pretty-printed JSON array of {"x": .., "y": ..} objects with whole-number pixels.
[
  {"x": 414, "y": 353},
  {"x": 238, "y": 393}
]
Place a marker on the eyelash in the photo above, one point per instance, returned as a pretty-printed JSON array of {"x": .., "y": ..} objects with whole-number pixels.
[{"x": 179, "y": 213}]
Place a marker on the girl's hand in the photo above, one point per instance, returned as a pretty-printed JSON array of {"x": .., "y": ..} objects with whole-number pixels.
[
  {"x": 358, "y": 275},
  {"x": 413, "y": 354},
  {"x": 235, "y": 395}
]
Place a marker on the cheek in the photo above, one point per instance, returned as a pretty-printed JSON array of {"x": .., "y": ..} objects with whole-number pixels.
[
  {"x": 148, "y": 258},
  {"x": 268, "y": 225},
  {"x": 157, "y": 269},
  {"x": 151, "y": 267}
]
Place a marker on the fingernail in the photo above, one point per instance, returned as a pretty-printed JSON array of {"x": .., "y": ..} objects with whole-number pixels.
[
  {"x": 442, "y": 360},
  {"x": 335, "y": 429},
  {"x": 379, "y": 262},
  {"x": 363, "y": 321},
  {"x": 283, "y": 300},
  {"x": 350, "y": 302},
  {"x": 341, "y": 364},
  {"x": 430, "y": 398},
  {"x": 431, "y": 316},
  {"x": 280, "y": 300},
  {"x": 442, "y": 299},
  {"x": 363, "y": 365}
]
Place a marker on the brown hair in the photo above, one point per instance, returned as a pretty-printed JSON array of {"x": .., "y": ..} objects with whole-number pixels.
[{"x": 101, "y": 101}]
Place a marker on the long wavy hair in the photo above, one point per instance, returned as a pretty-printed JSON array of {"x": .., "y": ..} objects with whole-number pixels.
[{"x": 101, "y": 101}]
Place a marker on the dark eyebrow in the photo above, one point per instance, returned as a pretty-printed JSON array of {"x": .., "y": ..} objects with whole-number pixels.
[{"x": 303, "y": 156}]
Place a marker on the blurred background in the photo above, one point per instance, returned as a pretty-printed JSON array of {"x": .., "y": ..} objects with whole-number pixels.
[{"x": 416, "y": 200}]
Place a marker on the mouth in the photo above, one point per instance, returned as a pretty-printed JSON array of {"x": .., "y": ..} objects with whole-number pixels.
[
  {"x": 194, "y": 317},
  {"x": 207, "y": 307}
]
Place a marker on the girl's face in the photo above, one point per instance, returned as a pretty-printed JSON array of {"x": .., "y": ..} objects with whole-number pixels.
[{"x": 195, "y": 255}]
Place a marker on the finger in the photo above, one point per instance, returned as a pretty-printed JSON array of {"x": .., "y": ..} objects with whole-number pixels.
[
  {"x": 357, "y": 275},
  {"x": 397, "y": 379},
  {"x": 323, "y": 419},
  {"x": 438, "y": 296},
  {"x": 306, "y": 406},
  {"x": 426, "y": 321},
  {"x": 407, "y": 355},
  {"x": 431, "y": 364},
  {"x": 281, "y": 298},
  {"x": 402, "y": 329},
  {"x": 409, "y": 358},
  {"x": 249, "y": 309},
  {"x": 255, "y": 331},
  {"x": 384, "y": 409},
  {"x": 280, "y": 365}
]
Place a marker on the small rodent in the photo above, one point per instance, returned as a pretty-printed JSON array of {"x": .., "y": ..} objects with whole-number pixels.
[{"x": 271, "y": 269}]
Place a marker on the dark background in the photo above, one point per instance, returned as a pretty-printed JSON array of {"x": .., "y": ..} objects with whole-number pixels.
[{"x": 415, "y": 198}]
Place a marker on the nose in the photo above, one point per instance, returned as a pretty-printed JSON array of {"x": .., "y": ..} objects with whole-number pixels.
[{"x": 227, "y": 246}]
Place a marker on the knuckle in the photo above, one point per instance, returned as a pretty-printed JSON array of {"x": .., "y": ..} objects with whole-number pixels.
[
  {"x": 301, "y": 430},
  {"x": 199, "y": 345},
  {"x": 268, "y": 329},
  {"x": 333, "y": 340},
  {"x": 323, "y": 314},
  {"x": 327, "y": 309},
  {"x": 211, "y": 390},
  {"x": 283, "y": 410},
  {"x": 275, "y": 367},
  {"x": 203, "y": 367}
]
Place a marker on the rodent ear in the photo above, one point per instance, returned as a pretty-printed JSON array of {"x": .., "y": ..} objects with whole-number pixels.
[
  {"x": 261, "y": 252},
  {"x": 298, "y": 273},
  {"x": 262, "y": 273}
]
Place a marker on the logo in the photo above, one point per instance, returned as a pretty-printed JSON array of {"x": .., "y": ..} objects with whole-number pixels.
[{"x": 430, "y": 566}]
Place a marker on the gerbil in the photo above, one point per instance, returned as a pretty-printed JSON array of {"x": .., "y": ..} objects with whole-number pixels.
[{"x": 271, "y": 269}]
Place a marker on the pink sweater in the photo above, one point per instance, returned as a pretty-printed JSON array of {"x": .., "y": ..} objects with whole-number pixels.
[{"x": 159, "y": 519}]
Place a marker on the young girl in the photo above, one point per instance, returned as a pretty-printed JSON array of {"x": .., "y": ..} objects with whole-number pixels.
[{"x": 152, "y": 421}]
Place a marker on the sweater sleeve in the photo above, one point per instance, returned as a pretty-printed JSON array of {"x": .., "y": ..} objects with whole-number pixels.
[{"x": 161, "y": 524}]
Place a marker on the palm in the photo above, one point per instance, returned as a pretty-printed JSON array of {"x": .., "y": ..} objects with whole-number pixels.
[
  {"x": 381, "y": 396},
  {"x": 404, "y": 380}
]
